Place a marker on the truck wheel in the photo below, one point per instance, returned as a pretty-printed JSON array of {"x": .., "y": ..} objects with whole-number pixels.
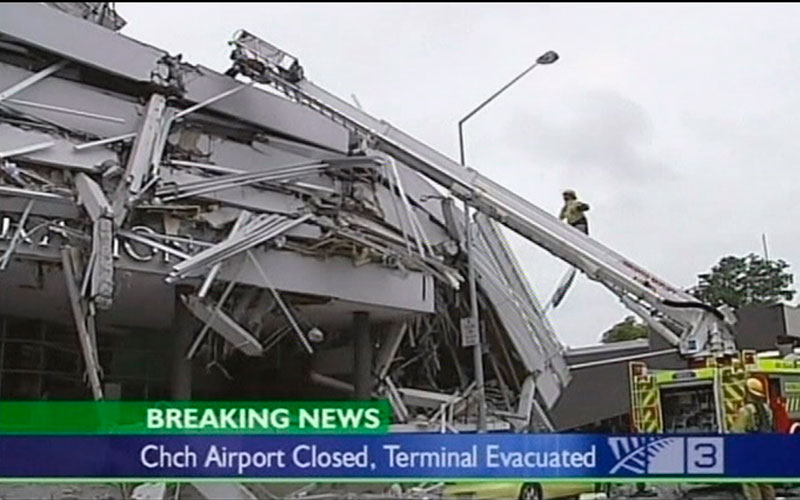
[{"x": 530, "y": 492}]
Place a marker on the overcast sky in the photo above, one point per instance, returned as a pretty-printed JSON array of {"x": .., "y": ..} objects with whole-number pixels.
[{"x": 678, "y": 124}]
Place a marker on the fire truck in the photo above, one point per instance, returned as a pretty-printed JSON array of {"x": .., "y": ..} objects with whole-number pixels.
[{"x": 707, "y": 397}]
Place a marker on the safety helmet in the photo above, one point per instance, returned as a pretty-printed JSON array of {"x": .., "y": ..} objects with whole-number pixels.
[
  {"x": 755, "y": 387},
  {"x": 570, "y": 192}
]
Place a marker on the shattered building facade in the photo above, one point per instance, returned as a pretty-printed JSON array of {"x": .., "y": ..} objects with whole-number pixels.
[{"x": 171, "y": 232}]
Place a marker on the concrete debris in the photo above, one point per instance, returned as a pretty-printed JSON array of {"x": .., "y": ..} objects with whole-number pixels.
[
  {"x": 149, "y": 491},
  {"x": 224, "y": 491},
  {"x": 224, "y": 325},
  {"x": 256, "y": 232}
]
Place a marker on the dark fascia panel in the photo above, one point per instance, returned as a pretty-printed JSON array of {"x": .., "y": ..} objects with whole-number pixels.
[
  {"x": 760, "y": 326},
  {"x": 592, "y": 395},
  {"x": 601, "y": 392},
  {"x": 98, "y": 47}
]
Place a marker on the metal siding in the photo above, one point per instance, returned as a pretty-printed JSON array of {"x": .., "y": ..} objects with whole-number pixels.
[
  {"x": 337, "y": 277},
  {"x": 266, "y": 110},
  {"x": 759, "y": 326},
  {"x": 69, "y": 94},
  {"x": 79, "y": 40}
]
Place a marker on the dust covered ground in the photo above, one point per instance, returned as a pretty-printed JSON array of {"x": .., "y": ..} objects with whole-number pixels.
[{"x": 374, "y": 491}]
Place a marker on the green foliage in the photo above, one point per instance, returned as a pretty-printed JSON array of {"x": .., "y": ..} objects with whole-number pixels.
[
  {"x": 627, "y": 329},
  {"x": 741, "y": 281}
]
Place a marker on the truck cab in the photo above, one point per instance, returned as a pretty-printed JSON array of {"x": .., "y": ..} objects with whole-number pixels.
[{"x": 707, "y": 398}]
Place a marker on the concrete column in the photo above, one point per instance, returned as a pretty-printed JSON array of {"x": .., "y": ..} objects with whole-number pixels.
[
  {"x": 362, "y": 356},
  {"x": 185, "y": 327}
]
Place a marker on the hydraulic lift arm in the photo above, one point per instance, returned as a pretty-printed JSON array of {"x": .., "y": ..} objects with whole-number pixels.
[{"x": 702, "y": 329}]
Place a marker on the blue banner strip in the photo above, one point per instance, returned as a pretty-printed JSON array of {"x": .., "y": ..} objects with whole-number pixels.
[{"x": 402, "y": 456}]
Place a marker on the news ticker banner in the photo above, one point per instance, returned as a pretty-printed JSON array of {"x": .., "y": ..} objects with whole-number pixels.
[
  {"x": 344, "y": 440},
  {"x": 437, "y": 457}
]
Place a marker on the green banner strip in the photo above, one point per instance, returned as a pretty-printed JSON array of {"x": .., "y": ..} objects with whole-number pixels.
[{"x": 195, "y": 417}]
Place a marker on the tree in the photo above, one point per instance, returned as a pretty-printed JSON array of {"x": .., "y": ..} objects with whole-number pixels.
[
  {"x": 741, "y": 281},
  {"x": 627, "y": 329}
]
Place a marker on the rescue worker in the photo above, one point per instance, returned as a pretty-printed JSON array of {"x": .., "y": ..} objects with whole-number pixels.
[
  {"x": 755, "y": 416},
  {"x": 574, "y": 212}
]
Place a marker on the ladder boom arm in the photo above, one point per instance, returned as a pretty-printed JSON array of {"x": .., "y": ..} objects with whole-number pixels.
[{"x": 704, "y": 329}]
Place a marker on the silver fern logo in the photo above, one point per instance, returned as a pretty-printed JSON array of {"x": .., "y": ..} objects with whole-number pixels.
[
  {"x": 648, "y": 455},
  {"x": 667, "y": 455}
]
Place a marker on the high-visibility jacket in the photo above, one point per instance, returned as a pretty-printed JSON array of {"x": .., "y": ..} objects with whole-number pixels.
[
  {"x": 573, "y": 211},
  {"x": 750, "y": 419}
]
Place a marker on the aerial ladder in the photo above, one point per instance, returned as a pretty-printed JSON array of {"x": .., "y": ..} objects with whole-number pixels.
[{"x": 697, "y": 329}]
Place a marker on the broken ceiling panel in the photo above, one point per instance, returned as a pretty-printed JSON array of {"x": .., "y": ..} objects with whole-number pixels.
[
  {"x": 59, "y": 153},
  {"x": 337, "y": 277},
  {"x": 78, "y": 107},
  {"x": 224, "y": 325},
  {"x": 245, "y": 197}
]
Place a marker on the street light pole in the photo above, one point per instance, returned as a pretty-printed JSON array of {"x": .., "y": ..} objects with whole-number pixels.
[
  {"x": 477, "y": 349},
  {"x": 547, "y": 58}
]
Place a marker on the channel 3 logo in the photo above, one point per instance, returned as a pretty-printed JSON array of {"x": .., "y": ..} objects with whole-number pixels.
[{"x": 668, "y": 455}]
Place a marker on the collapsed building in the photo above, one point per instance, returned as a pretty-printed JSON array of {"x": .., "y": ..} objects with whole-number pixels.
[{"x": 169, "y": 231}]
